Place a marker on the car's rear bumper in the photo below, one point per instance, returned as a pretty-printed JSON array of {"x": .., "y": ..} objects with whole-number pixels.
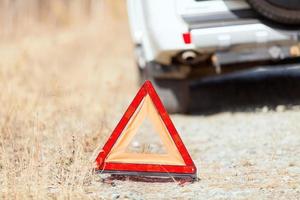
[
  {"x": 243, "y": 34},
  {"x": 250, "y": 36}
]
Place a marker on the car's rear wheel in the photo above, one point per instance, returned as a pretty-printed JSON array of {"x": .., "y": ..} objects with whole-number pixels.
[
  {"x": 282, "y": 11},
  {"x": 173, "y": 93}
]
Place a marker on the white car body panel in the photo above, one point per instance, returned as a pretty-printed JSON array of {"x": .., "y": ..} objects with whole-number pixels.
[
  {"x": 192, "y": 7},
  {"x": 220, "y": 37},
  {"x": 157, "y": 26}
]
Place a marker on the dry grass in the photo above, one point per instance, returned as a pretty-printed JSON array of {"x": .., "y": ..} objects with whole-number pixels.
[
  {"x": 57, "y": 75},
  {"x": 18, "y": 16},
  {"x": 65, "y": 81}
]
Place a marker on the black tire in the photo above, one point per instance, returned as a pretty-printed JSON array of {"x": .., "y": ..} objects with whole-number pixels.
[
  {"x": 273, "y": 11},
  {"x": 173, "y": 93}
]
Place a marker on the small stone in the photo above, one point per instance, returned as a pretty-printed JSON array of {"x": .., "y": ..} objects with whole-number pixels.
[
  {"x": 246, "y": 163},
  {"x": 291, "y": 164},
  {"x": 280, "y": 108},
  {"x": 265, "y": 109},
  {"x": 115, "y": 196},
  {"x": 136, "y": 144}
]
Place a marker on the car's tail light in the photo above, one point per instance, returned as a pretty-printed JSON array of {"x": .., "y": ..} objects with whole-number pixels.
[{"x": 187, "y": 38}]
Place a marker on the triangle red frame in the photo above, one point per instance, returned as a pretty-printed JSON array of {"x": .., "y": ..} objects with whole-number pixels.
[{"x": 189, "y": 169}]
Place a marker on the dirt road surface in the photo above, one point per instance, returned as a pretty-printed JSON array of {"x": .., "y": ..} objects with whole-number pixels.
[
  {"x": 63, "y": 92},
  {"x": 251, "y": 155}
]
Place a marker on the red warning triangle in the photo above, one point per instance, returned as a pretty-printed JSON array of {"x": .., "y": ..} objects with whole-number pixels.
[{"x": 114, "y": 157}]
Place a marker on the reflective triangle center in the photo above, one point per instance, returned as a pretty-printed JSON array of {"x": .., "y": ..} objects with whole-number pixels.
[
  {"x": 146, "y": 140},
  {"x": 126, "y": 150}
]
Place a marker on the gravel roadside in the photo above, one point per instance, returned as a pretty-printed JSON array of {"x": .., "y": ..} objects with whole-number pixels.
[{"x": 243, "y": 155}]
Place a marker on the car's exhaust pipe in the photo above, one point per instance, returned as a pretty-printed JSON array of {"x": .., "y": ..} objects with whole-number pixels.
[{"x": 190, "y": 57}]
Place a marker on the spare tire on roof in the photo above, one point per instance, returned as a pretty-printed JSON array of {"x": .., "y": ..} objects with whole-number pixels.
[{"x": 282, "y": 11}]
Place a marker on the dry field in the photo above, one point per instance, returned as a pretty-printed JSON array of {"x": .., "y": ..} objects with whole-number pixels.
[
  {"x": 64, "y": 86},
  {"x": 61, "y": 87}
]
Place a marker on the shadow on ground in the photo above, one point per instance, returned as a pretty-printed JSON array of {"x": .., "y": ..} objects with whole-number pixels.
[{"x": 246, "y": 91}]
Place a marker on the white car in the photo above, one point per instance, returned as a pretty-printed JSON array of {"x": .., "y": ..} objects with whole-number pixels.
[{"x": 180, "y": 40}]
